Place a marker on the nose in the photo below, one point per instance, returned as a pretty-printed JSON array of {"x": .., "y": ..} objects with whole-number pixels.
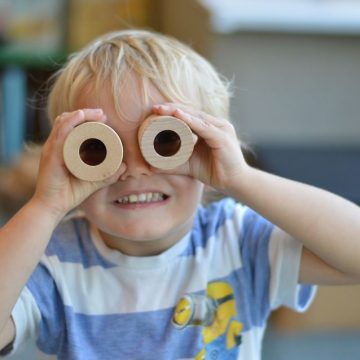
[{"x": 136, "y": 165}]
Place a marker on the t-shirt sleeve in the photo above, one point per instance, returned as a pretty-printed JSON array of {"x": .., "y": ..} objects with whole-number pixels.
[
  {"x": 36, "y": 314},
  {"x": 271, "y": 260},
  {"x": 285, "y": 259},
  {"x": 26, "y": 316}
]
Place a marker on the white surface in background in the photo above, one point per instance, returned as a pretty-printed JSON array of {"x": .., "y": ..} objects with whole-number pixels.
[{"x": 315, "y": 16}]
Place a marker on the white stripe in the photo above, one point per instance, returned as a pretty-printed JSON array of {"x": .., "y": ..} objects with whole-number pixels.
[
  {"x": 99, "y": 291},
  {"x": 250, "y": 347},
  {"x": 26, "y": 316},
  {"x": 285, "y": 256}
]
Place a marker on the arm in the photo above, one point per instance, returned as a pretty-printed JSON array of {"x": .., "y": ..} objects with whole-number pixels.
[
  {"x": 21, "y": 246},
  {"x": 24, "y": 238},
  {"x": 326, "y": 224}
]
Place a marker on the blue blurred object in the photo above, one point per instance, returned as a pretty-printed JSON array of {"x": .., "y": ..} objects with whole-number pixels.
[
  {"x": 312, "y": 345},
  {"x": 12, "y": 124},
  {"x": 333, "y": 168}
]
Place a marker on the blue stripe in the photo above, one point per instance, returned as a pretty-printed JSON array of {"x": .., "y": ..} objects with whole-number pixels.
[
  {"x": 48, "y": 299},
  {"x": 148, "y": 335},
  {"x": 71, "y": 242},
  {"x": 207, "y": 222},
  {"x": 255, "y": 273},
  {"x": 305, "y": 294},
  {"x": 143, "y": 335}
]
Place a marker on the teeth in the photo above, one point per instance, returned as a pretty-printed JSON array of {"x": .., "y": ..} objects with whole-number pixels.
[
  {"x": 141, "y": 198},
  {"x": 133, "y": 199}
]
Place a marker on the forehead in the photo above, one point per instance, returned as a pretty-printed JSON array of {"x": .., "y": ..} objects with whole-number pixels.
[{"x": 131, "y": 102}]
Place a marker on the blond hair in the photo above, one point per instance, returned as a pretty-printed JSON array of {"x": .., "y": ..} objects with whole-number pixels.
[{"x": 178, "y": 72}]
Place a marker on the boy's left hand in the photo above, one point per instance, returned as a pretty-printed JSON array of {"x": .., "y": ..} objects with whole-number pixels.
[{"x": 217, "y": 159}]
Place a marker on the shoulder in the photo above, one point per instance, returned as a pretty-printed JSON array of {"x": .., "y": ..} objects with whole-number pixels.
[
  {"x": 217, "y": 213},
  {"x": 72, "y": 242},
  {"x": 219, "y": 223},
  {"x": 227, "y": 213},
  {"x": 69, "y": 235}
]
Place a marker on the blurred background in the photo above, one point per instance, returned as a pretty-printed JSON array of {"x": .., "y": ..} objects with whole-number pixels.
[{"x": 295, "y": 67}]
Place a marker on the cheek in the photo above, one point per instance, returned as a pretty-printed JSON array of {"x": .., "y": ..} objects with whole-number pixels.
[
  {"x": 190, "y": 190},
  {"x": 93, "y": 203}
]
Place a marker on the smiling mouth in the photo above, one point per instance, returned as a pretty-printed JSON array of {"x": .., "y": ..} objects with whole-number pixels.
[{"x": 143, "y": 198}]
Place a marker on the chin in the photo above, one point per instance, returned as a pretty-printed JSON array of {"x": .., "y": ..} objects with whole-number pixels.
[{"x": 137, "y": 233}]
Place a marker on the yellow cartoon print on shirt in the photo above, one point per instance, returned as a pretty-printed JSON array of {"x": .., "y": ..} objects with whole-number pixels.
[{"x": 216, "y": 313}]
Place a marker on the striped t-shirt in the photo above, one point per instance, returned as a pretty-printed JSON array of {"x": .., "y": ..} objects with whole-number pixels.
[{"x": 207, "y": 297}]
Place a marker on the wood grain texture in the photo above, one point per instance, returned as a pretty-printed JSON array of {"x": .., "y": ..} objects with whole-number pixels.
[
  {"x": 98, "y": 131},
  {"x": 148, "y": 131}
]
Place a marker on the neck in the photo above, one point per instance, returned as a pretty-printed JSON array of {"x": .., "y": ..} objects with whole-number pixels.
[{"x": 142, "y": 248}]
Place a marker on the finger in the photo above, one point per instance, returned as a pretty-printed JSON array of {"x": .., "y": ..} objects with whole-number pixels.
[
  {"x": 67, "y": 121},
  {"x": 173, "y": 109},
  {"x": 205, "y": 127},
  {"x": 94, "y": 114},
  {"x": 80, "y": 115},
  {"x": 168, "y": 108}
]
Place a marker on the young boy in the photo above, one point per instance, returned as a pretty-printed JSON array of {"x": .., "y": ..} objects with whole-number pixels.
[{"x": 146, "y": 272}]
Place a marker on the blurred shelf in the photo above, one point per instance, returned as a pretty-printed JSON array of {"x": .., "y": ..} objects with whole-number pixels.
[{"x": 31, "y": 56}]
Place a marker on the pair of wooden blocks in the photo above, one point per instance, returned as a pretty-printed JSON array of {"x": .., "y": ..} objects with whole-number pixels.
[{"x": 93, "y": 151}]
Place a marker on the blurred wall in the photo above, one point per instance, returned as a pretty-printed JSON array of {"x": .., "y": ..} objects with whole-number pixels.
[{"x": 293, "y": 88}]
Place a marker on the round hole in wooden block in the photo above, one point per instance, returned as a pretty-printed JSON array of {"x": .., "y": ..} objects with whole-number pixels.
[
  {"x": 167, "y": 143},
  {"x": 92, "y": 152}
]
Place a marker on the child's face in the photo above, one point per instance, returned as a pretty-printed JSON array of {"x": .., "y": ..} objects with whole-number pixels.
[{"x": 139, "y": 228}]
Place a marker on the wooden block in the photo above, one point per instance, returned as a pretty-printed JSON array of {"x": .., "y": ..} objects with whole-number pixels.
[
  {"x": 165, "y": 142},
  {"x": 93, "y": 151}
]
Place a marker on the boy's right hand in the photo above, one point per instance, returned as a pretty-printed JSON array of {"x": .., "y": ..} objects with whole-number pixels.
[{"x": 56, "y": 187}]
